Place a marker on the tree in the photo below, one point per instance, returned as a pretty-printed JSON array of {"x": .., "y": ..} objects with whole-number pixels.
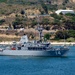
[
  {"x": 62, "y": 35},
  {"x": 44, "y": 6},
  {"x": 69, "y": 25},
  {"x": 42, "y": 12},
  {"x": 22, "y": 12},
  {"x": 16, "y": 23},
  {"x": 2, "y": 21},
  {"x": 47, "y": 28},
  {"x": 47, "y": 36}
]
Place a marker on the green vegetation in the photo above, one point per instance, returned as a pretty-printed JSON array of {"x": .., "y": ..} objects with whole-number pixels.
[
  {"x": 45, "y": 21},
  {"x": 62, "y": 35},
  {"x": 33, "y": 23},
  {"x": 52, "y": 7},
  {"x": 2, "y": 21},
  {"x": 17, "y": 23},
  {"x": 54, "y": 15},
  {"x": 68, "y": 35},
  {"x": 47, "y": 36},
  {"x": 22, "y": 12},
  {"x": 69, "y": 25},
  {"x": 44, "y": 6},
  {"x": 16, "y": 13},
  {"x": 71, "y": 33},
  {"x": 3, "y": 0},
  {"x": 65, "y": 2},
  {"x": 71, "y": 39},
  {"x": 70, "y": 14},
  {"x": 58, "y": 19}
]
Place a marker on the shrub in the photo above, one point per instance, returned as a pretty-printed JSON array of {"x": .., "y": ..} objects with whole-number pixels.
[
  {"x": 54, "y": 15},
  {"x": 45, "y": 21},
  {"x": 70, "y": 14},
  {"x": 62, "y": 35},
  {"x": 22, "y": 12},
  {"x": 71, "y": 33},
  {"x": 47, "y": 36},
  {"x": 2, "y": 21}
]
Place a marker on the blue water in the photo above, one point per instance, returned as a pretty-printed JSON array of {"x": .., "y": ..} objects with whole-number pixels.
[{"x": 11, "y": 65}]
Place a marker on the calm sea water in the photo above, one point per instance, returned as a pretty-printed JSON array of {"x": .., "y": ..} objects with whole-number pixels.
[{"x": 10, "y": 65}]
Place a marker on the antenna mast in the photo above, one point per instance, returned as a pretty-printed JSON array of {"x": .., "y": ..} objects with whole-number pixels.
[{"x": 40, "y": 29}]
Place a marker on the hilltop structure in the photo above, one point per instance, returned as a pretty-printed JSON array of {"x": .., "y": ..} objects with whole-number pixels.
[{"x": 64, "y": 11}]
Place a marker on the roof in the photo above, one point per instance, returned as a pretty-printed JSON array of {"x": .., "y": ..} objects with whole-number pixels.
[{"x": 59, "y": 11}]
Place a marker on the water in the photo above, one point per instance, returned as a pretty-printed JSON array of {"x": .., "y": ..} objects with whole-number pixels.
[{"x": 11, "y": 65}]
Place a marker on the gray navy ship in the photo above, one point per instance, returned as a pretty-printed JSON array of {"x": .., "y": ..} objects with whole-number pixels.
[{"x": 34, "y": 48}]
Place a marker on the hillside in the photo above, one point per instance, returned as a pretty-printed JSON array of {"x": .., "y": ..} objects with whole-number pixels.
[
  {"x": 37, "y": 1},
  {"x": 41, "y": 5},
  {"x": 67, "y": 3},
  {"x": 10, "y": 10},
  {"x": 16, "y": 14}
]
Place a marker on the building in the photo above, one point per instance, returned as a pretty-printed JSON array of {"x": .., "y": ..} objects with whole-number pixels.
[{"x": 64, "y": 11}]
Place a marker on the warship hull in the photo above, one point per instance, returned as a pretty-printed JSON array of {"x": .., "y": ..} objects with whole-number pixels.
[{"x": 33, "y": 53}]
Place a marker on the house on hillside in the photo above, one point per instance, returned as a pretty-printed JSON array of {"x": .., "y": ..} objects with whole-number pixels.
[{"x": 64, "y": 11}]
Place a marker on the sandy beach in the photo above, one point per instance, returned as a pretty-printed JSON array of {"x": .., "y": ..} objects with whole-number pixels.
[{"x": 62, "y": 43}]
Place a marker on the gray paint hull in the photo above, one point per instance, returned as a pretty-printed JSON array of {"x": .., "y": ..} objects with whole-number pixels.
[{"x": 33, "y": 53}]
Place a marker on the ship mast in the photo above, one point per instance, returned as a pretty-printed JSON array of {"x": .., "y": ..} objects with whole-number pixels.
[{"x": 40, "y": 29}]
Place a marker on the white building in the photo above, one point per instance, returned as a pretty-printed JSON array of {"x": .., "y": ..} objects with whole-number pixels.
[{"x": 64, "y": 11}]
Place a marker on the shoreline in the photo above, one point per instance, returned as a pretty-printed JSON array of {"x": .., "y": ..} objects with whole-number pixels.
[
  {"x": 52, "y": 43},
  {"x": 63, "y": 43}
]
